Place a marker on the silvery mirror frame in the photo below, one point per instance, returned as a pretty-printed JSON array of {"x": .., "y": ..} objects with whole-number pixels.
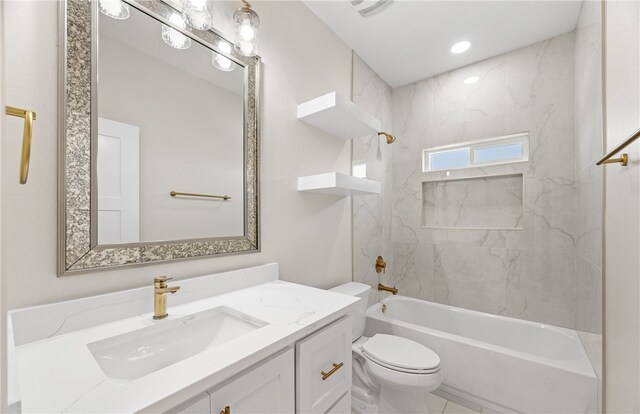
[{"x": 79, "y": 251}]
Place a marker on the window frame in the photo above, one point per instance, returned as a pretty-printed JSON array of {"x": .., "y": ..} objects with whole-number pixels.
[{"x": 472, "y": 146}]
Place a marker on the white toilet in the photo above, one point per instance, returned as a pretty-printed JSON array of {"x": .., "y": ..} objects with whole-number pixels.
[{"x": 391, "y": 374}]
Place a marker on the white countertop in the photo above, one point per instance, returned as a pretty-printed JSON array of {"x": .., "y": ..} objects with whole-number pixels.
[{"x": 59, "y": 374}]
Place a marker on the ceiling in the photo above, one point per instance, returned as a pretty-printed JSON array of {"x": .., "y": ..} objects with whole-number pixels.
[{"x": 411, "y": 40}]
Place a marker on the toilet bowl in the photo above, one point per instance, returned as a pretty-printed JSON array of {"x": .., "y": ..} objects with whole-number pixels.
[{"x": 391, "y": 374}]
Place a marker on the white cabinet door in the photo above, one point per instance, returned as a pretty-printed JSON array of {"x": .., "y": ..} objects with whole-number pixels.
[
  {"x": 343, "y": 406},
  {"x": 267, "y": 388},
  {"x": 323, "y": 368}
]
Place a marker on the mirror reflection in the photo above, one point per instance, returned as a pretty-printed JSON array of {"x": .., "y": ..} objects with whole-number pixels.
[{"x": 170, "y": 136}]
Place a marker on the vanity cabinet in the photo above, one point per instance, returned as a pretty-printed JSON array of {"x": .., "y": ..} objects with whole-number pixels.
[
  {"x": 323, "y": 369},
  {"x": 316, "y": 378},
  {"x": 266, "y": 389}
]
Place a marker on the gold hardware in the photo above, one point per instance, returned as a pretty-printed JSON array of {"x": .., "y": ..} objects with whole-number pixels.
[
  {"x": 227, "y": 410},
  {"x": 387, "y": 288},
  {"x": 326, "y": 375},
  {"x": 160, "y": 290},
  {"x": 624, "y": 159},
  {"x": 384, "y": 308},
  {"x": 29, "y": 117},
  {"x": 390, "y": 138},
  {"x": 381, "y": 265},
  {"x": 223, "y": 197}
]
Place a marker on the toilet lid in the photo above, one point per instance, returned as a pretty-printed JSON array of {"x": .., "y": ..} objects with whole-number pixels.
[{"x": 401, "y": 353}]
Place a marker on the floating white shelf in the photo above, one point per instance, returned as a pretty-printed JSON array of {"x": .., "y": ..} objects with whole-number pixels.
[
  {"x": 338, "y": 116},
  {"x": 334, "y": 183}
]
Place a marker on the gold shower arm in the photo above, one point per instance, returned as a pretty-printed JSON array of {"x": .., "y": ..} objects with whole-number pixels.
[{"x": 29, "y": 117}]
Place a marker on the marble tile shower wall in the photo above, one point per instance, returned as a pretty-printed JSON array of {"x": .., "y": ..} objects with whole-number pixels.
[
  {"x": 529, "y": 273},
  {"x": 372, "y": 214},
  {"x": 589, "y": 187}
]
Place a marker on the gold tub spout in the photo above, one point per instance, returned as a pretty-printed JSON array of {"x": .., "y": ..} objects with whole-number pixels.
[{"x": 387, "y": 288}]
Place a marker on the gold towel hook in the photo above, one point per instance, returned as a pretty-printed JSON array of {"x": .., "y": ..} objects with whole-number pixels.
[{"x": 29, "y": 117}]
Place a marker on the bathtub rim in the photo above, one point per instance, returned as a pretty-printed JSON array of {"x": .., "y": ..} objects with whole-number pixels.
[{"x": 581, "y": 365}]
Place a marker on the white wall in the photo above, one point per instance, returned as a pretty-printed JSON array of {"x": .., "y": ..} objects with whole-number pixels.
[
  {"x": 3, "y": 278},
  {"x": 190, "y": 141},
  {"x": 310, "y": 235},
  {"x": 622, "y": 210}
]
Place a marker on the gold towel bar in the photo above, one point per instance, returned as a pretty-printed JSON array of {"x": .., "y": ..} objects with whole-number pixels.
[
  {"x": 29, "y": 117},
  {"x": 624, "y": 159},
  {"x": 175, "y": 194}
]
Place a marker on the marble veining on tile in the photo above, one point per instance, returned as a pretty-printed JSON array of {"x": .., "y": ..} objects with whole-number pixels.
[{"x": 549, "y": 269}]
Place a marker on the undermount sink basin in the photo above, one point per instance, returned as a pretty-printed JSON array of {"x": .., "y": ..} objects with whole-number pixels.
[{"x": 141, "y": 352}]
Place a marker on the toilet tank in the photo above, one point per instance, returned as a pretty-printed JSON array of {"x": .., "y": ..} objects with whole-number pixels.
[{"x": 359, "y": 310}]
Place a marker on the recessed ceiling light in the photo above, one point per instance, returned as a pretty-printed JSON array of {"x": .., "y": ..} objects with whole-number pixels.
[
  {"x": 460, "y": 47},
  {"x": 471, "y": 79}
]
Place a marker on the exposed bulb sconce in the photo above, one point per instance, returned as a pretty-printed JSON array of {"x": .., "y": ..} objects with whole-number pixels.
[
  {"x": 116, "y": 9},
  {"x": 174, "y": 38},
  {"x": 220, "y": 61},
  {"x": 198, "y": 13},
  {"x": 390, "y": 138},
  {"x": 246, "y": 33}
]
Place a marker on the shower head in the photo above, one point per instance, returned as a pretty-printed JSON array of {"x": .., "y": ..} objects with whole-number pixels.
[{"x": 390, "y": 138}]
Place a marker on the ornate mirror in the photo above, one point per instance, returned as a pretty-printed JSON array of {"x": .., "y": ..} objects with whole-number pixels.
[{"x": 158, "y": 138}]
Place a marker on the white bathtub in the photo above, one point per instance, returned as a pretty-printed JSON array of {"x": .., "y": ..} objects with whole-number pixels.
[{"x": 503, "y": 364}]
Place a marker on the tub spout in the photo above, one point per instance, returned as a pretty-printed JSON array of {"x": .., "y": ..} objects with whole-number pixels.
[{"x": 387, "y": 288}]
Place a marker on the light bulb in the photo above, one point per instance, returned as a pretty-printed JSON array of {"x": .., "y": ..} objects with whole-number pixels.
[
  {"x": 220, "y": 61},
  {"x": 246, "y": 32},
  {"x": 198, "y": 13},
  {"x": 470, "y": 80},
  {"x": 174, "y": 38},
  {"x": 460, "y": 47},
  {"x": 116, "y": 9}
]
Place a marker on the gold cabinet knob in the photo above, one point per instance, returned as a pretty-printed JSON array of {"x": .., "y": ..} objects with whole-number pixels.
[{"x": 227, "y": 410}]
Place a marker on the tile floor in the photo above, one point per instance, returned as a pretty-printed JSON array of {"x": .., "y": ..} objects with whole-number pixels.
[{"x": 439, "y": 405}]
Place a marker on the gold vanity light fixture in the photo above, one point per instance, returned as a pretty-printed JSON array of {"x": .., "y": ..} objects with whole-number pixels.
[
  {"x": 29, "y": 117},
  {"x": 246, "y": 32},
  {"x": 390, "y": 138}
]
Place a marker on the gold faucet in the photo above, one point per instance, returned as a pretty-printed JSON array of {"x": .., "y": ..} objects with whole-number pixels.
[
  {"x": 381, "y": 265},
  {"x": 160, "y": 296},
  {"x": 387, "y": 288}
]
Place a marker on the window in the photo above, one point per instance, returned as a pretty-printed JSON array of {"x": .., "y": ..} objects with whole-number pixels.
[{"x": 493, "y": 151}]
